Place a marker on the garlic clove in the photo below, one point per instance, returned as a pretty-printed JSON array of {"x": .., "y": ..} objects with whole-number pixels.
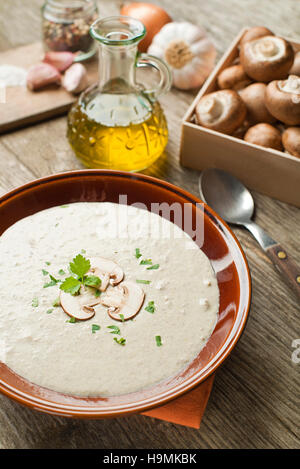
[
  {"x": 41, "y": 75},
  {"x": 75, "y": 79},
  {"x": 59, "y": 60}
]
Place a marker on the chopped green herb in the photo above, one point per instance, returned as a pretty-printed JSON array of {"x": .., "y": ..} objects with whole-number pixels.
[
  {"x": 71, "y": 320},
  {"x": 35, "y": 302},
  {"x": 45, "y": 272},
  {"x": 115, "y": 329},
  {"x": 61, "y": 272},
  {"x": 145, "y": 282},
  {"x": 71, "y": 285},
  {"x": 49, "y": 311},
  {"x": 122, "y": 317},
  {"x": 150, "y": 307},
  {"x": 120, "y": 341},
  {"x": 56, "y": 302},
  {"x": 158, "y": 341},
  {"x": 138, "y": 253},
  {"x": 153, "y": 267},
  {"x": 83, "y": 251},
  {"x": 97, "y": 293},
  {"x": 64, "y": 206},
  {"x": 53, "y": 281},
  {"x": 56, "y": 225},
  {"x": 95, "y": 328},
  {"x": 48, "y": 263},
  {"x": 146, "y": 262}
]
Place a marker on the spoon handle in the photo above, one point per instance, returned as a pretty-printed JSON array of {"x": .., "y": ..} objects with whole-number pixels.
[{"x": 287, "y": 267}]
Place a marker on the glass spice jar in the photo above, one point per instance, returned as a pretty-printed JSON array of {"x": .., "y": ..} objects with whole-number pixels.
[{"x": 65, "y": 26}]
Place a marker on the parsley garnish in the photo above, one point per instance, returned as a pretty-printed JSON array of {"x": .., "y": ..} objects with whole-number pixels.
[
  {"x": 146, "y": 262},
  {"x": 48, "y": 263},
  {"x": 92, "y": 281},
  {"x": 153, "y": 267},
  {"x": 56, "y": 302},
  {"x": 71, "y": 320},
  {"x": 61, "y": 272},
  {"x": 150, "y": 307},
  {"x": 45, "y": 272},
  {"x": 158, "y": 341},
  {"x": 115, "y": 330},
  {"x": 146, "y": 282},
  {"x": 138, "y": 253},
  {"x": 53, "y": 281},
  {"x": 95, "y": 328},
  {"x": 35, "y": 302},
  {"x": 49, "y": 311},
  {"x": 120, "y": 341},
  {"x": 71, "y": 285},
  {"x": 80, "y": 266},
  {"x": 122, "y": 317}
]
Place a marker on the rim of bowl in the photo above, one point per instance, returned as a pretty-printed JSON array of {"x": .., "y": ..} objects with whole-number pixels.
[{"x": 71, "y": 410}]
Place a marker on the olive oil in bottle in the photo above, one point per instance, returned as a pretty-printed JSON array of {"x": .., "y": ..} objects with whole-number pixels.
[
  {"x": 119, "y": 124},
  {"x": 117, "y": 131}
]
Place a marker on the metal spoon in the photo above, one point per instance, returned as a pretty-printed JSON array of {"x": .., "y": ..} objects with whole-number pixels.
[{"x": 233, "y": 202}]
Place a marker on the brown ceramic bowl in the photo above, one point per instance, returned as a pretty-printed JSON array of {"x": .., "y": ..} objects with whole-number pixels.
[{"x": 220, "y": 245}]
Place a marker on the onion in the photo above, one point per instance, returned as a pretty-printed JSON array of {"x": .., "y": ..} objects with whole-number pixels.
[{"x": 152, "y": 16}]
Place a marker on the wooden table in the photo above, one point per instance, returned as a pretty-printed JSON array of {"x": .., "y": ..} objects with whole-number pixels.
[{"x": 255, "y": 399}]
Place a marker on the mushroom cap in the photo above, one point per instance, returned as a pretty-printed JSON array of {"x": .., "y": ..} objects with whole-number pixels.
[
  {"x": 254, "y": 98},
  {"x": 80, "y": 307},
  {"x": 223, "y": 111},
  {"x": 283, "y": 100},
  {"x": 264, "y": 135},
  {"x": 255, "y": 33},
  {"x": 233, "y": 77},
  {"x": 291, "y": 141},
  {"x": 295, "y": 70},
  {"x": 267, "y": 58},
  {"x": 108, "y": 271},
  {"x": 125, "y": 300}
]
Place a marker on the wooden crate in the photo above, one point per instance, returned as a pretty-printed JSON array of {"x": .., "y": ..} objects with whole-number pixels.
[{"x": 265, "y": 170}]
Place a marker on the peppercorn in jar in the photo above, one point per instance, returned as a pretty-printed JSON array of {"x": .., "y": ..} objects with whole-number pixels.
[{"x": 66, "y": 25}]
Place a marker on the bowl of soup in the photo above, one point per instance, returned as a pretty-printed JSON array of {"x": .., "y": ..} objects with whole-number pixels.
[{"x": 121, "y": 292}]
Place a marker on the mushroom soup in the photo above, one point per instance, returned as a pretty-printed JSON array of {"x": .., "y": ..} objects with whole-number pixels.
[{"x": 90, "y": 311}]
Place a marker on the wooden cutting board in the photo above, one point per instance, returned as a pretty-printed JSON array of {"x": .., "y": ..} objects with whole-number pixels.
[{"x": 23, "y": 107}]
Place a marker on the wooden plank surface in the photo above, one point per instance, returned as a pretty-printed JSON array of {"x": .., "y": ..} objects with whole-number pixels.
[
  {"x": 255, "y": 399},
  {"x": 24, "y": 107}
]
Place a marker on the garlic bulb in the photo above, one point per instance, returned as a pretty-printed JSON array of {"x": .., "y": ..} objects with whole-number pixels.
[{"x": 187, "y": 50}]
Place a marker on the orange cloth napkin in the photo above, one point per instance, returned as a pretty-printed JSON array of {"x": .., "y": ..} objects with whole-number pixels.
[{"x": 186, "y": 410}]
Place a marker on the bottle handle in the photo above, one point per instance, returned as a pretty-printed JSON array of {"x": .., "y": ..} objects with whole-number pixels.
[{"x": 145, "y": 60}]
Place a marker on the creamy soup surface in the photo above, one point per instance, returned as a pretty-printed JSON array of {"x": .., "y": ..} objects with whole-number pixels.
[{"x": 37, "y": 339}]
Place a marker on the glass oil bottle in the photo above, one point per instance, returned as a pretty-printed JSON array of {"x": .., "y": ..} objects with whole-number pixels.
[{"x": 118, "y": 124}]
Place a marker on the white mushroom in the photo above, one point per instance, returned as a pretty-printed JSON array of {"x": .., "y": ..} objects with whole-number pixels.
[
  {"x": 108, "y": 271},
  {"x": 267, "y": 58},
  {"x": 80, "y": 307},
  {"x": 223, "y": 111},
  {"x": 124, "y": 302}
]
